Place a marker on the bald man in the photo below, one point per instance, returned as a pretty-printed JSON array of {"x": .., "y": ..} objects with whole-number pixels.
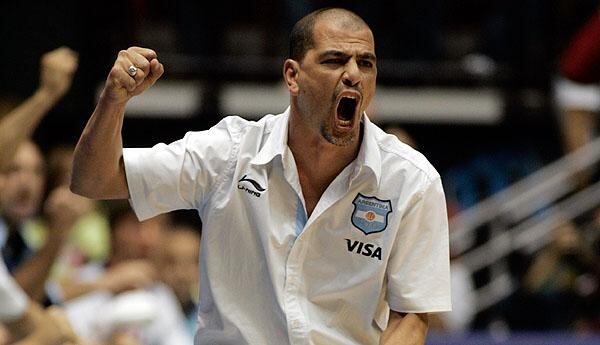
[{"x": 319, "y": 228}]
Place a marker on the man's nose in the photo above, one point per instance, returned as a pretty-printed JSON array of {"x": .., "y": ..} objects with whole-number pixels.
[{"x": 352, "y": 75}]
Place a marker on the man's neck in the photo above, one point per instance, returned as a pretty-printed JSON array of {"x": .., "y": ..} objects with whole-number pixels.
[{"x": 318, "y": 161}]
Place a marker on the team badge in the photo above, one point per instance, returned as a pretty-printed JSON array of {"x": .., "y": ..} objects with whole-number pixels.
[{"x": 370, "y": 214}]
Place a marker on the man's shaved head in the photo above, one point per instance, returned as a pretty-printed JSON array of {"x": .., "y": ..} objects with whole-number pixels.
[{"x": 301, "y": 37}]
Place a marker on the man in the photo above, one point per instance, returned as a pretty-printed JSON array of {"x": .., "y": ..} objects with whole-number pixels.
[
  {"x": 27, "y": 323},
  {"x": 315, "y": 222},
  {"x": 24, "y": 181},
  {"x": 20, "y": 200},
  {"x": 22, "y": 175}
]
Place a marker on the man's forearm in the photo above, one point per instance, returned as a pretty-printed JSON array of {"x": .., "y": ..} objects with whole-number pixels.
[
  {"x": 405, "y": 329},
  {"x": 32, "y": 274},
  {"x": 97, "y": 163},
  {"x": 20, "y": 123},
  {"x": 98, "y": 169}
]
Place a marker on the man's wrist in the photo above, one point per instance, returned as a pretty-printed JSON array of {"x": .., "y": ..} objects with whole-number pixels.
[{"x": 112, "y": 101}]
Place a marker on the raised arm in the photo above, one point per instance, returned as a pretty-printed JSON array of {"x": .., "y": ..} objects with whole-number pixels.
[
  {"x": 57, "y": 68},
  {"x": 98, "y": 170}
]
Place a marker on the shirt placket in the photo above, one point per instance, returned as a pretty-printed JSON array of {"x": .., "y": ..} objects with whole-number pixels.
[
  {"x": 296, "y": 320},
  {"x": 294, "y": 295}
]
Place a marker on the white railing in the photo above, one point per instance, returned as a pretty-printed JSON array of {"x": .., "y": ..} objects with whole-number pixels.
[{"x": 522, "y": 218}]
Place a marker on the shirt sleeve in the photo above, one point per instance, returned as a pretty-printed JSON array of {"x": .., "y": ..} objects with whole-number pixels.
[
  {"x": 13, "y": 300},
  {"x": 419, "y": 267},
  {"x": 179, "y": 175}
]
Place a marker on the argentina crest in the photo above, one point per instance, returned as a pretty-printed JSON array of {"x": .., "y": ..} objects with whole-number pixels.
[{"x": 370, "y": 214}]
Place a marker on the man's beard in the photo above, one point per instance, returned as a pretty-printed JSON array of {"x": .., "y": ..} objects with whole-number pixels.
[{"x": 327, "y": 133}]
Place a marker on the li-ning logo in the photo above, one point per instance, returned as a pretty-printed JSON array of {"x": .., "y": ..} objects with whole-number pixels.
[{"x": 258, "y": 187}]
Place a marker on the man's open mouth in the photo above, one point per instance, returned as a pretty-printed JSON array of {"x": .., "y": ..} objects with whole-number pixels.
[{"x": 346, "y": 110}]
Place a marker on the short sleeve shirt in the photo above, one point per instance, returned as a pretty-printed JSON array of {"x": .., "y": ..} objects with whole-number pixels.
[{"x": 376, "y": 240}]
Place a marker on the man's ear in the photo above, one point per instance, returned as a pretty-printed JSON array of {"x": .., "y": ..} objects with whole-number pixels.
[{"x": 290, "y": 75}]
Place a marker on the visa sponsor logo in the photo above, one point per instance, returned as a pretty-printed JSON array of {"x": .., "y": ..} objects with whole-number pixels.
[{"x": 365, "y": 249}]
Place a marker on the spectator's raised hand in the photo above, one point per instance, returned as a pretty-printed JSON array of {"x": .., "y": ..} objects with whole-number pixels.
[
  {"x": 63, "y": 209},
  {"x": 57, "y": 68}
]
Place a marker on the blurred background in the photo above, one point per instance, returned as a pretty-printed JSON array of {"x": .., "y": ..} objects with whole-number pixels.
[{"x": 487, "y": 90}]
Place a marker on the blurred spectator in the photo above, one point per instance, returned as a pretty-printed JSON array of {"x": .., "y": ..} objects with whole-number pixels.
[
  {"x": 20, "y": 200},
  {"x": 124, "y": 295},
  {"x": 555, "y": 287},
  {"x": 22, "y": 173},
  {"x": 581, "y": 60},
  {"x": 579, "y": 104},
  {"x": 35, "y": 326},
  {"x": 89, "y": 234},
  {"x": 17, "y": 312},
  {"x": 180, "y": 271},
  {"x": 23, "y": 322},
  {"x": 578, "y": 107},
  {"x": 56, "y": 74}
]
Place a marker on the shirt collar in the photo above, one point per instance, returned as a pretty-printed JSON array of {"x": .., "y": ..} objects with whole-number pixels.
[
  {"x": 276, "y": 143},
  {"x": 368, "y": 154}
]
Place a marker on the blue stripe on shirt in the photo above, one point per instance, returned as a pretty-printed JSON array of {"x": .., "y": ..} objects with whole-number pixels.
[{"x": 300, "y": 217}]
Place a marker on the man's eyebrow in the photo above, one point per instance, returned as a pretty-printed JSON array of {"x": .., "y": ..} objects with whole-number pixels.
[
  {"x": 368, "y": 56},
  {"x": 341, "y": 54},
  {"x": 333, "y": 53}
]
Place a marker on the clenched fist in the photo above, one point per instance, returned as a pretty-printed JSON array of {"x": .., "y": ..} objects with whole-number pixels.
[
  {"x": 57, "y": 68},
  {"x": 121, "y": 85}
]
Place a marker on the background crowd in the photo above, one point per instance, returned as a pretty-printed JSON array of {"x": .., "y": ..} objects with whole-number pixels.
[{"x": 120, "y": 281}]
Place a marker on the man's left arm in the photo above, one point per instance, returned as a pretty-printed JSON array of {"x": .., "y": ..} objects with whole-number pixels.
[
  {"x": 419, "y": 268},
  {"x": 405, "y": 329}
]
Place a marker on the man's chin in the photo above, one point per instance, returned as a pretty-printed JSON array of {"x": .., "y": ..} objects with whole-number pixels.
[{"x": 339, "y": 140}]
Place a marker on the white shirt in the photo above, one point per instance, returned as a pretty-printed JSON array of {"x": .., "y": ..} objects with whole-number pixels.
[
  {"x": 13, "y": 300},
  {"x": 270, "y": 275}
]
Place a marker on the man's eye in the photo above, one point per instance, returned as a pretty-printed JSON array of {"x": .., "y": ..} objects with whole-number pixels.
[
  {"x": 334, "y": 61},
  {"x": 365, "y": 63}
]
